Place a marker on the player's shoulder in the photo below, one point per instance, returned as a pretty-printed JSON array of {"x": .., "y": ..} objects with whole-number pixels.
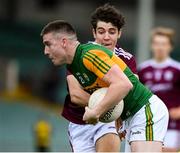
[
  {"x": 122, "y": 53},
  {"x": 90, "y": 45},
  {"x": 174, "y": 63},
  {"x": 97, "y": 49},
  {"x": 146, "y": 64},
  {"x": 152, "y": 63}
]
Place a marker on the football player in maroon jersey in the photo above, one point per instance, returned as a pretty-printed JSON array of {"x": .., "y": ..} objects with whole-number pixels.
[{"x": 162, "y": 75}]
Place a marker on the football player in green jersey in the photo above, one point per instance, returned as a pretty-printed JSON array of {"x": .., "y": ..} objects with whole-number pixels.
[
  {"x": 95, "y": 66},
  {"x": 107, "y": 23}
]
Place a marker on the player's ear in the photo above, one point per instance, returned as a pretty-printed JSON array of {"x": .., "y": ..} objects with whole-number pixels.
[
  {"x": 64, "y": 42},
  {"x": 119, "y": 33},
  {"x": 171, "y": 47},
  {"x": 94, "y": 33}
]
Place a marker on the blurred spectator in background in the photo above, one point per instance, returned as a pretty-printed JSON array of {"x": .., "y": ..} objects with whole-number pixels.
[
  {"x": 162, "y": 75},
  {"x": 43, "y": 131}
]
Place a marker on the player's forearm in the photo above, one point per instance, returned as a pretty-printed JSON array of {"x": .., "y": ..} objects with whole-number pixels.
[
  {"x": 80, "y": 97},
  {"x": 115, "y": 93},
  {"x": 77, "y": 94},
  {"x": 119, "y": 86}
]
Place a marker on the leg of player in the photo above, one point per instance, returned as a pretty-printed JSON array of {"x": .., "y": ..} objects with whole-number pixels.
[
  {"x": 150, "y": 146},
  {"x": 166, "y": 149},
  {"x": 101, "y": 137},
  {"x": 147, "y": 128},
  {"x": 104, "y": 145},
  {"x": 172, "y": 146}
]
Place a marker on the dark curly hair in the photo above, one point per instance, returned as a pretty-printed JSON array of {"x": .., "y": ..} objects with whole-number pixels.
[{"x": 107, "y": 13}]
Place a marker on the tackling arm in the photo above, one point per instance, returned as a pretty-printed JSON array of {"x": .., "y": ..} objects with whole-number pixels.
[{"x": 77, "y": 94}]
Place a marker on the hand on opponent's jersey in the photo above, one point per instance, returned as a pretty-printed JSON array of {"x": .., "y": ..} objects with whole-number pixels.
[{"x": 120, "y": 129}]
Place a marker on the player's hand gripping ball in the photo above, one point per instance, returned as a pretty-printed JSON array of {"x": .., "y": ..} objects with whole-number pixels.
[{"x": 113, "y": 113}]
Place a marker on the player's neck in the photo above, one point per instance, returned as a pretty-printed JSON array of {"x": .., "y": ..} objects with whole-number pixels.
[
  {"x": 72, "y": 51},
  {"x": 160, "y": 60}
]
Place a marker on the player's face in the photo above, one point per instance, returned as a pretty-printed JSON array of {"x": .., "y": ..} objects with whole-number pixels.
[
  {"x": 54, "y": 48},
  {"x": 161, "y": 47},
  {"x": 106, "y": 34}
]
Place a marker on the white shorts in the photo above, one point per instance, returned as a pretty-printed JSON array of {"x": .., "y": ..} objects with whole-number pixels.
[
  {"x": 172, "y": 139},
  {"x": 149, "y": 123},
  {"x": 83, "y": 137}
]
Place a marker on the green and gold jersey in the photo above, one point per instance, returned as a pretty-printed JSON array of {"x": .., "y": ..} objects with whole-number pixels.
[{"x": 91, "y": 62}]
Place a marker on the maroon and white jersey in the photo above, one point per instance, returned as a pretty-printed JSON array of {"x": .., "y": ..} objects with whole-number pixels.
[
  {"x": 73, "y": 112},
  {"x": 164, "y": 80},
  {"x": 127, "y": 58}
]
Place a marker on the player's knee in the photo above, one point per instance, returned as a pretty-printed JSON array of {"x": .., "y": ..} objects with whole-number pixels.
[{"x": 108, "y": 143}]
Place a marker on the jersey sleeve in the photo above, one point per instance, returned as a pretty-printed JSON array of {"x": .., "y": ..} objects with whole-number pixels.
[
  {"x": 99, "y": 62},
  {"x": 127, "y": 57},
  {"x": 132, "y": 65}
]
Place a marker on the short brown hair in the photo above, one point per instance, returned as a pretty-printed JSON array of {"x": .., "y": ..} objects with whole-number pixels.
[
  {"x": 58, "y": 26},
  {"x": 107, "y": 13},
  {"x": 163, "y": 31}
]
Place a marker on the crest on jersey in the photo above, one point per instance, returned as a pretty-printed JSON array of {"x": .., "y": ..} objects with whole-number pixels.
[{"x": 168, "y": 75}]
